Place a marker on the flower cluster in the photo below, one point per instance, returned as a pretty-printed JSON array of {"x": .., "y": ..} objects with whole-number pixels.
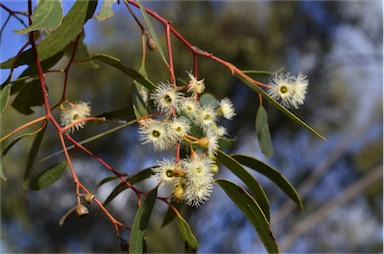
[
  {"x": 291, "y": 90},
  {"x": 190, "y": 125},
  {"x": 74, "y": 113}
]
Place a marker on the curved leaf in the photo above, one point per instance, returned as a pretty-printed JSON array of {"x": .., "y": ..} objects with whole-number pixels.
[
  {"x": 272, "y": 174},
  {"x": 48, "y": 15},
  {"x": 4, "y": 96},
  {"x": 152, "y": 31},
  {"x": 248, "y": 179},
  {"x": 123, "y": 112},
  {"x": 129, "y": 71},
  {"x": 106, "y": 10},
  {"x": 32, "y": 156},
  {"x": 278, "y": 106},
  {"x": 140, "y": 223},
  {"x": 30, "y": 95},
  {"x": 47, "y": 177},
  {"x": 209, "y": 99},
  {"x": 262, "y": 131},
  {"x": 2, "y": 176},
  {"x": 252, "y": 211},
  {"x": 90, "y": 139},
  {"x": 170, "y": 215},
  {"x": 140, "y": 176},
  {"x": 190, "y": 241},
  {"x": 58, "y": 39}
]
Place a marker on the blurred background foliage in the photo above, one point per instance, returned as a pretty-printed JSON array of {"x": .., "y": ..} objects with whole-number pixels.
[{"x": 337, "y": 44}]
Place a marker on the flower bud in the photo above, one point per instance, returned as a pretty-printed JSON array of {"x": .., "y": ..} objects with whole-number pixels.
[
  {"x": 178, "y": 172},
  {"x": 178, "y": 192},
  {"x": 88, "y": 198},
  {"x": 151, "y": 44},
  {"x": 81, "y": 210},
  {"x": 203, "y": 142},
  {"x": 214, "y": 169}
]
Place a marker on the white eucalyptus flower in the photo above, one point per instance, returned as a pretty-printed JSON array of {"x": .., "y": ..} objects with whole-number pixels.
[
  {"x": 74, "y": 113},
  {"x": 195, "y": 86},
  {"x": 226, "y": 108},
  {"x": 190, "y": 107},
  {"x": 158, "y": 134},
  {"x": 164, "y": 172},
  {"x": 199, "y": 180},
  {"x": 180, "y": 126},
  {"x": 165, "y": 97},
  {"x": 289, "y": 89}
]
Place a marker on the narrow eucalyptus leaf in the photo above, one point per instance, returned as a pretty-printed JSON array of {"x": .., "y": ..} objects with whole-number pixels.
[
  {"x": 190, "y": 241},
  {"x": 48, "y": 176},
  {"x": 4, "y": 96},
  {"x": 140, "y": 223},
  {"x": 252, "y": 211},
  {"x": 272, "y": 174},
  {"x": 171, "y": 215},
  {"x": 152, "y": 31},
  {"x": 262, "y": 131},
  {"x": 140, "y": 176},
  {"x": 32, "y": 156},
  {"x": 47, "y": 16},
  {"x": 2, "y": 176},
  {"x": 248, "y": 179},
  {"x": 115, "y": 62},
  {"x": 123, "y": 112}
]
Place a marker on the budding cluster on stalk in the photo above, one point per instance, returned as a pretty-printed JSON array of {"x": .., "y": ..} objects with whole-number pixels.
[{"x": 191, "y": 125}]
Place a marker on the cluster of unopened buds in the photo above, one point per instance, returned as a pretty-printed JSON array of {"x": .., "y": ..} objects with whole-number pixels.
[{"x": 186, "y": 122}]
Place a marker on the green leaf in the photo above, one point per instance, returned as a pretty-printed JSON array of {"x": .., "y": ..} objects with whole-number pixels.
[
  {"x": 272, "y": 174},
  {"x": 252, "y": 211},
  {"x": 140, "y": 104},
  {"x": 30, "y": 95},
  {"x": 105, "y": 180},
  {"x": 130, "y": 72},
  {"x": 47, "y": 177},
  {"x": 262, "y": 131},
  {"x": 208, "y": 99},
  {"x": 31, "y": 71},
  {"x": 152, "y": 31},
  {"x": 2, "y": 176},
  {"x": 171, "y": 215},
  {"x": 140, "y": 223},
  {"x": 248, "y": 179},
  {"x": 58, "y": 39},
  {"x": 32, "y": 156},
  {"x": 11, "y": 144},
  {"x": 255, "y": 73},
  {"x": 48, "y": 15},
  {"x": 123, "y": 112},
  {"x": 90, "y": 139},
  {"x": 4, "y": 96},
  {"x": 278, "y": 106},
  {"x": 190, "y": 241},
  {"x": 139, "y": 107},
  {"x": 225, "y": 143},
  {"x": 106, "y": 10},
  {"x": 141, "y": 176}
]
